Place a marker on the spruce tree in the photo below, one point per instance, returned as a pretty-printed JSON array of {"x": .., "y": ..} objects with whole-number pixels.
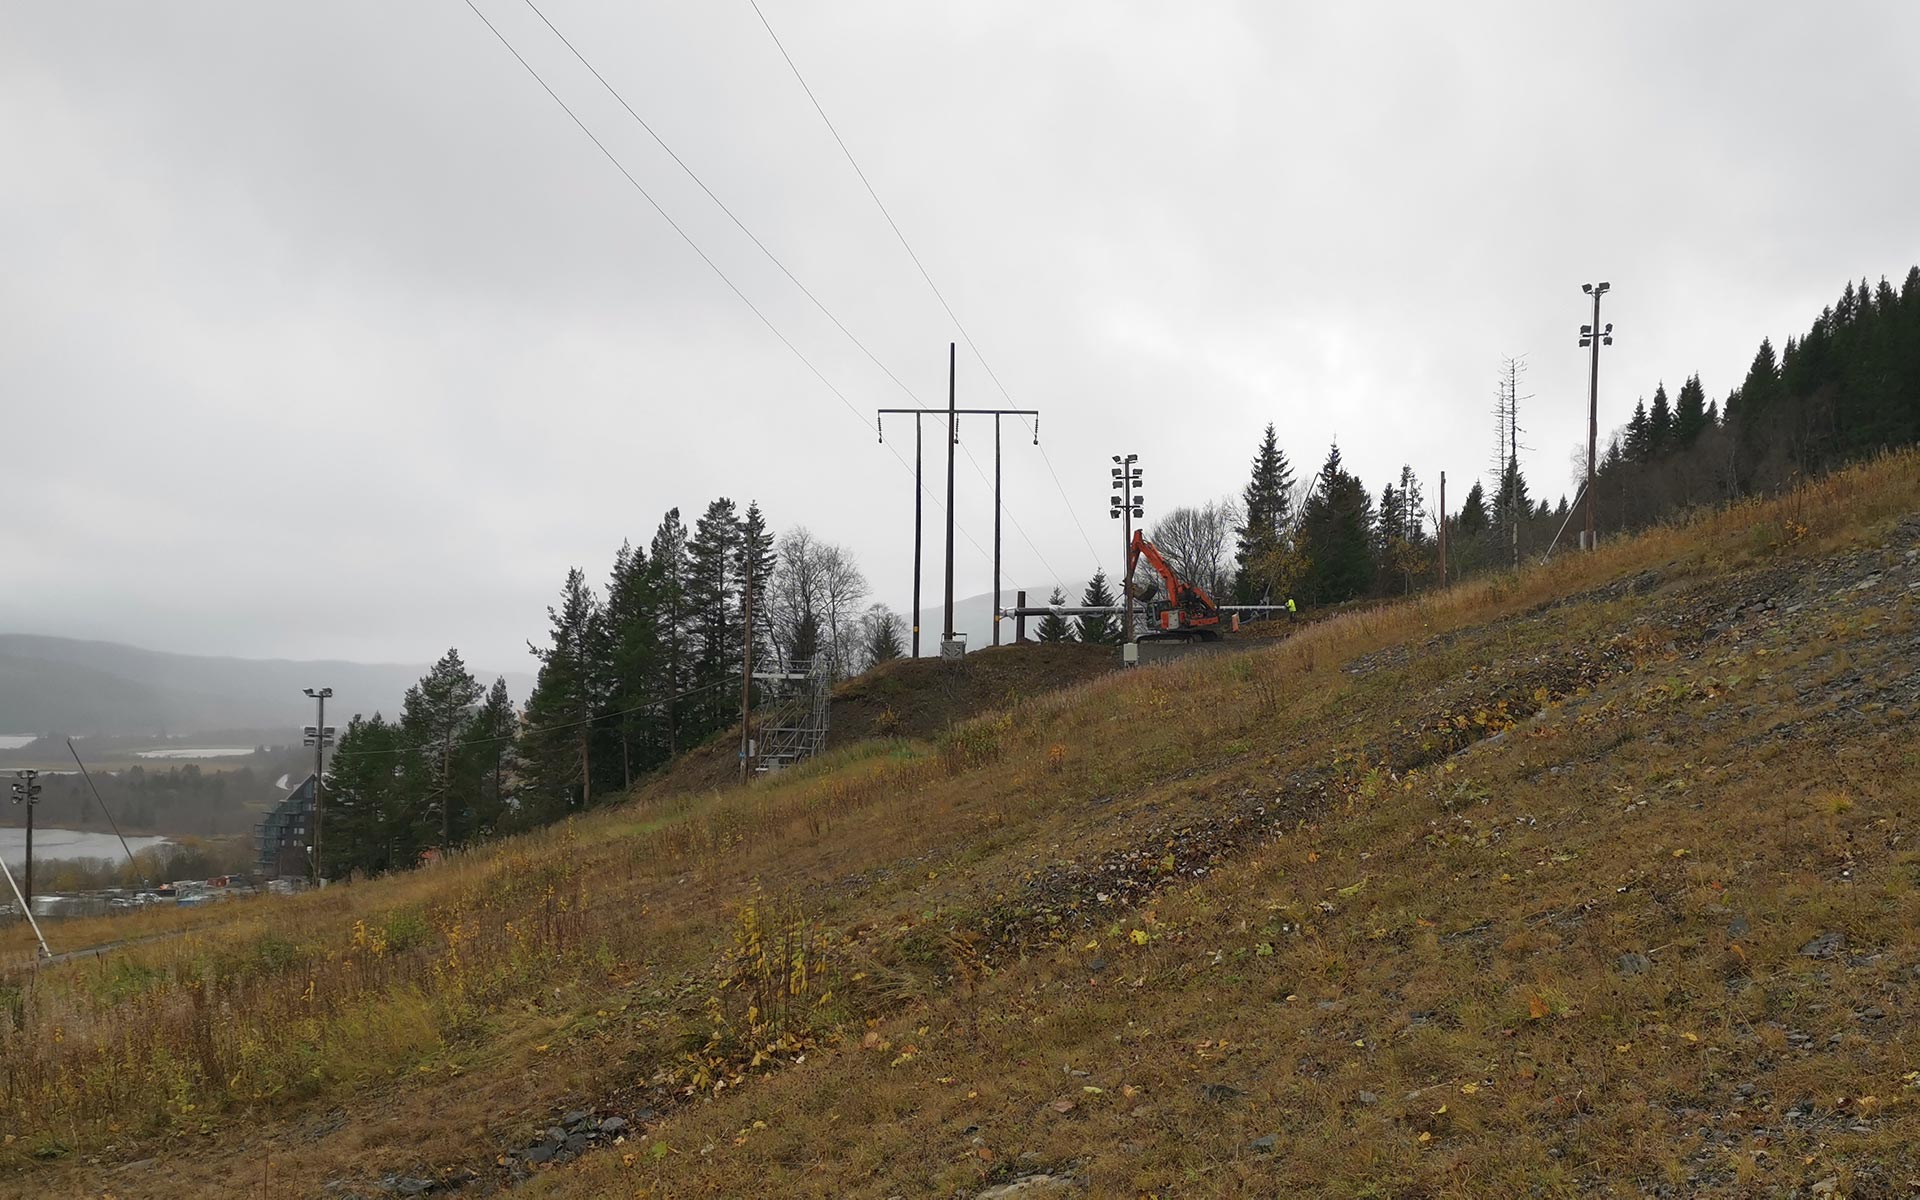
[
  {"x": 1336, "y": 532},
  {"x": 669, "y": 581},
  {"x": 1690, "y": 413},
  {"x": 1098, "y": 630},
  {"x": 556, "y": 746},
  {"x": 631, "y": 657},
  {"x": 713, "y": 614},
  {"x": 1266, "y": 511},
  {"x": 365, "y": 801},
  {"x": 1637, "y": 447},
  {"x": 1053, "y": 626},
  {"x": 488, "y": 750},
  {"x": 1660, "y": 432},
  {"x": 757, "y": 556},
  {"x": 433, "y": 718},
  {"x": 881, "y": 635}
]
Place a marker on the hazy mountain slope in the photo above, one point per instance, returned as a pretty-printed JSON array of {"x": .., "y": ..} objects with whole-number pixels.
[{"x": 64, "y": 685}]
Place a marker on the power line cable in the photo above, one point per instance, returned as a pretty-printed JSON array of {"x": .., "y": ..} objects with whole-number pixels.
[
  {"x": 738, "y": 223},
  {"x": 684, "y": 236},
  {"x": 920, "y": 266},
  {"x": 1011, "y": 516}
]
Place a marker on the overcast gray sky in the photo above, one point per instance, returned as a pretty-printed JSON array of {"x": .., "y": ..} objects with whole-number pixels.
[{"x": 323, "y": 332}]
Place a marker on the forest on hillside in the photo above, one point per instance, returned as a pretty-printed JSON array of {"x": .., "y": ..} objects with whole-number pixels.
[{"x": 649, "y": 665}]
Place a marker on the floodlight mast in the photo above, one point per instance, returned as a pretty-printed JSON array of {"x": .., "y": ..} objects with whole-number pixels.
[
  {"x": 1126, "y": 508},
  {"x": 1594, "y": 336},
  {"x": 319, "y": 735}
]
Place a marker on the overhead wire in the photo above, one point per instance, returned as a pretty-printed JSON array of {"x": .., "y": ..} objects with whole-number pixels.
[
  {"x": 775, "y": 259},
  {"x": 693, "y": 245},
  {"x": 920, "y": 266}
]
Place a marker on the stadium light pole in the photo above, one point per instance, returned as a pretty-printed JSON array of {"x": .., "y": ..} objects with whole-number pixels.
[
  {"x": 319, "y": 735},
  {"x": 1595, "y": 336},
  {"x": 1126, "y": 508},
  {"x": 27, "y": 792}
]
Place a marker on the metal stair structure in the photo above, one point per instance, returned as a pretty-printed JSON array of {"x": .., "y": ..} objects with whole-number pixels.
[{"x": 797, "y": 712}]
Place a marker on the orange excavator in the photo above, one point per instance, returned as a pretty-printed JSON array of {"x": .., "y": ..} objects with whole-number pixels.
[{"x": 1190, "y": 614}]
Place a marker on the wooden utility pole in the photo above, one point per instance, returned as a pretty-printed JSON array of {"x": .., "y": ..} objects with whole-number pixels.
[
  {"x": 953, "y": 414},
  {"x": 996, "y": 529},
  {"x": 1443, "y": 529},
  {"x": 1594, "y": 335},
  {"x": 746, "y": 671},
  {"x": 919, "y": 492},
  {"x": 953, "y": 440}
]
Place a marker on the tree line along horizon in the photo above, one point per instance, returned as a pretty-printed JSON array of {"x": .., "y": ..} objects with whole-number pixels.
[{"x": 649, "y": 666}]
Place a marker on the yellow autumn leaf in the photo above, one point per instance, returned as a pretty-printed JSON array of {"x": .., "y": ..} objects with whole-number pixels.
[{"x": 1468, "y": 1089}]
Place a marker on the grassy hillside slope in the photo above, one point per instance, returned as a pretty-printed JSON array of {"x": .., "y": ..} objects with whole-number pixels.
[{"x": 1597, "y": 879}]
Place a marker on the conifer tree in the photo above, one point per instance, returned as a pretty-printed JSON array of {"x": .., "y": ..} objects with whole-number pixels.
[
  {"x": 713, "y": 614},
  {"x": 433, "y": 717},
  {"x": 365, "y": 800},
  {"x": 1266, "y": 512},
  {"x": 1690, "y": 413},
  {"x": 1098, "y": 630},
  {"x": 669, "y": 585},
  {"x": 757, "y": 556},
  {"x": 1637, "y": 448},
  {"x": 1053, "y": 626},
  {"x": 631, "y": 662},
  {"x": 1336, "y": 530},
  {"x": 1660, "y": 433},
  {"x": 880, "y": 635},
  {"x": 488, "y": 750},
  {"x": 556, "y": 746}
]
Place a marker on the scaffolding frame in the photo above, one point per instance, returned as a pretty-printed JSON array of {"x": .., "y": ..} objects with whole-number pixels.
[{"x": 798, "y": 713}]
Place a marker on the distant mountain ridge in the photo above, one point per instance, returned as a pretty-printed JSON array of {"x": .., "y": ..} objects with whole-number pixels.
[{"x": 68, "y": 686}]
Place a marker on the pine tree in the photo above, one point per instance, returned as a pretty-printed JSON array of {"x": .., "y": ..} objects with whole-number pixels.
[
  {"x": 1336, "y": 529},
  {"x": 433, "y": 717},
  {"x": 557, "y": 744},
  {"x": 1053, "y": 626},
  {"x": 1266, "y": 512},
  {"x": 1660, "y": 432},
  {"x": 1100, "y": 630}
]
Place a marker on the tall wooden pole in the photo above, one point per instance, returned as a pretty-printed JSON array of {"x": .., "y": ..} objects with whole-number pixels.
[
  {"x": 919, "y": 492},
  {"x": 996, "y": 529},
  {"x": 1443, "y": 529},
  {"x": 1593, "y": 418},
  {"x": 953, "y": 439}
]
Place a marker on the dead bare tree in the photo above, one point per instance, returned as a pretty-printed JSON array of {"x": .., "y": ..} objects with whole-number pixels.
[{"x": 1199, "y": 542}]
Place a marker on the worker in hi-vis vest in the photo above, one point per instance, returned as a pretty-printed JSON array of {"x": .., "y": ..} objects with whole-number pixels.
[{"x": 1291, "y": 610}]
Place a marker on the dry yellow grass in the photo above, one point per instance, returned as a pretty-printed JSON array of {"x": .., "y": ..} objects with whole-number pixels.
[{"x": 1126, "y": 931}]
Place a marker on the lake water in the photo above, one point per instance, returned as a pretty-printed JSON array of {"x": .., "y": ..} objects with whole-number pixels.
[
  {"x": 50, "y": 844},
  {"x": 200, "y": 752}
]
